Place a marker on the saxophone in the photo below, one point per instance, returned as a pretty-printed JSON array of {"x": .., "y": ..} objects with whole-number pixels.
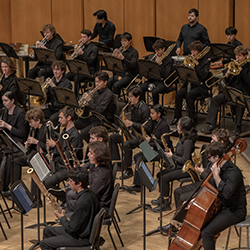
[
  {"x": 143, "y": 131},
  {"x": 50, "y": 197},
  {"x": 164, "y": 141},
  {"x": 124, "y": 118}
]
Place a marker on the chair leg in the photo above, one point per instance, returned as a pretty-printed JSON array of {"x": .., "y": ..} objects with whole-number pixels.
[
  {"x": 116, "y": 224},
  {"x": 118, "y": 234},
  {"x": 228, "y": 235},
  {"x": 240, "y": 239},
  {"x": 110, "y": 235},
  {"x": 4, "y": 216},
  {"x": 3, "y": 231},
  {"x": 6, "y": 205},
  {"x": 117, "y": 215},
  {"x": 247, "y": 239}
]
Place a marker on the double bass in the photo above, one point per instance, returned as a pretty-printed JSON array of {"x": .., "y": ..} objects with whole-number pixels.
[{"x": 205, "y": 206}]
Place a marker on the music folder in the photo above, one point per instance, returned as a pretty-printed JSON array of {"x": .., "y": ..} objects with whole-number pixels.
[{"x": 148, "y": 152}]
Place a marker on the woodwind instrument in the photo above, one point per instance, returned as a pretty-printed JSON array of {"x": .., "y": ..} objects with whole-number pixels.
[
  {"x": 76, "y": 162},
  {"x": 124, "y": 118},
  {"x": 49, "y": 196},
  {"x": 31, "y": 134},
  {"x": 143, "y": 131},
  {"x": 164, "y": 141},
  {"x": 63, "y": 155}
]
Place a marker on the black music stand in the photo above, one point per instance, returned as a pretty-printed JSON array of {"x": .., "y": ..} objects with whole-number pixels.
[
  {"x": 149, "y": 69},
  {"x": 102, "y": 46},
  {"x": 29, "y": 87},
  {"x": 221, "y": 50},
  {"x": 103, "y": 120},
  {"x": 113, "y": 64},
  {"x": 66, "y": 96},
  {"x": 8, "y": 50}
]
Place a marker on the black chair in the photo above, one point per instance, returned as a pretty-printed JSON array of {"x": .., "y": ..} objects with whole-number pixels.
[
  {"x": 114, "y": 172},
  {"x": 94, "y": 238},
  {"x": 111, "y": 218}
]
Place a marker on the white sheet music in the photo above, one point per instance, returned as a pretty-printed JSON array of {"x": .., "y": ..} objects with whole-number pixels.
[{"x": 39, "y": 166}]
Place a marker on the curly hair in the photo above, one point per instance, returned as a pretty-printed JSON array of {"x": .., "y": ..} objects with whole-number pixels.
[
  {"x": 35, "y": 114},
  {"x": 10, "y": 63},
  {"x": 100, "y": 132},
  {"x": 215, "y": 148},
  {"x": 79, "y": 174},
  {"x": 222, "y": 135},
  {"x": 101, "y": 151}
]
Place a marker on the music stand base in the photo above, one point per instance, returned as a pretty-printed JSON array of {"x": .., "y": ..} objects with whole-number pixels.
[
  {"x": 147, "y": 206},
  {"x": 35, "y": 244},
  {"x": 123, "y": 187},
  {"x": 159, "y": 229}
]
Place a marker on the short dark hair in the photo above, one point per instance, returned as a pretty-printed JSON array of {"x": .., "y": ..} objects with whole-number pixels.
[
  {"x": 101, "y": 151},
  {"x": 196, "y": 45},
  {"x": 100, "y": 132},
  {"x": 101, "y": 14},
  {"x": 231, "y": 31},
  {"x": 79, "y": 174},
  {"x": 101, "y": 75},
  {"x": 10, "y": 63},
  {"x": 195, "y": 11},
  {"x": 242, "y": 49},
  {"x": 50, "y": 27},
  {"x": 35, "y": 114},
  {"x": 222, "y": 134},
  {"x": 135, "y": 91},
  {"x": 86, "y": 32},
  {"x": 10, "y": 95},
  {"x": 60, "y": 64},
  {"x": 68, "y": 111},
  {"x": 159, "y": 44},
  {"x": 158, "y": 108},
  {"x": 126, "y": 35},
  {"x": 215, "y": 148}
]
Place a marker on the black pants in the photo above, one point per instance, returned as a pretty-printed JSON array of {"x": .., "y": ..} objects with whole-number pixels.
[
  {"x": 39, "y": 71},
  {"x": 54, "y": 237}
]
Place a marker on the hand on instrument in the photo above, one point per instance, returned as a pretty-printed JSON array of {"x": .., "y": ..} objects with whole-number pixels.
[
  {"x": 189, "y": 204},
  {"x": 50, "y": 143},
  {"x": 157, "y": 59},
  {"x": 59, "y": 215},
  {"x": 199, "y": 169},
  {"x": 215, "y": 169},
  {"x": 178, "y": 51},
  {"x": 118, "y": 54},
  {"x": 86, "y": 97},
  {"x": 148, "y": 138},
  {"x": 128, "y": 123},
  {"x": 169, "y": 154},
  {"x": 50, "y": 82},
  {"x": 32, "y": 140},
  {"x": 4, "y": 124}
]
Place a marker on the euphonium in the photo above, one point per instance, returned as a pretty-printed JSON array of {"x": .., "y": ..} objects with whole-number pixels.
[
  {"x": 164, "y": 141},
  {"x": 82, "y": 102},
  {"x": 74, "y": 54}
]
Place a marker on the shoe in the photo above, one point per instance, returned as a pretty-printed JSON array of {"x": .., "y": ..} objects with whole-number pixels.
[
  {"x": 37, "y": 203},
  {"x": 135, "y": 188},
  {"x": 174, "y": 122},
  {"x": 208, "y": 129},
  {"x": 127, "y": 174},
  {"x": 156, "y": 202},
  {"x": 165, "y": 206},
  {"x": 237, "y": 130},
  {"x": 6, "y": 193}
]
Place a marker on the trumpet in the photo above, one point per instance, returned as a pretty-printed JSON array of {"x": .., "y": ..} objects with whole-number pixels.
[
  {"x": 164, "y": 141},
  {"x": 75, "y": 53},
  {"x": 42, "y": 42},
  {"x": 118, "y": 51}
]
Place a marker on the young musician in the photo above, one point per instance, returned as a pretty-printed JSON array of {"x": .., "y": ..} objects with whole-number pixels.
[
  {"x": 59, "y": 80},
  {"x": 104, "y": 28},
  {"x": 192, "y": 91},
  {"x": 192, "y": 31},
  {"x": 86, "y": 51},
  {"x": 240, "y": 82},
  {"x": 76, "y": 231},
  {"x": 52, "y": 43},
  {"x": 184, "y": 148},
  {"x": 101, "y": 101},
  {"x": 139, "y": 115},
  {"x": 166, "y": 68},
  {"x": 129, "y": 57}
]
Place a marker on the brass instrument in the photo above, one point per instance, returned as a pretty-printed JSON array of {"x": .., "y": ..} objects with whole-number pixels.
[
  {"x": 76, "y": 162},
  {"x": 117, "y": 51},
  {"x": 40, "y": 100},
  {"x": 154, "y": 56},
  {"x": 82, "y": 103},
  {"x": 167, "y": 52},
  {"x": 75, "y": 53},
  {"x": 124, "y": 118},
  {"x": 164, "y": 141},
  {"x": 42, "y": 42}
]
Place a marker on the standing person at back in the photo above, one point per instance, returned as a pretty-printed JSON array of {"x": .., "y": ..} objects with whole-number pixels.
[{"x": 192, "y": 31}]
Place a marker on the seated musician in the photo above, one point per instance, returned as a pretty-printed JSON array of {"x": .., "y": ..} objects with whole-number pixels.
[
  {"x": 86, "y": 51},
  {"x": 166, "y": 68},
  {"x": 129, "y": 57},
  {"x": 104, "y": 28},
  {"x": 51, "y": 43},
  {"x": 160, "y": 127},
  {"x": 101, "y": 101},
  {"x": 66, "y": 118},
  {"x": 139, "y": 115},
  {"x": 240, "y": 82},
  {"x": 76, "y": 231},
  {"x": 184, "y": 148},
  {"x": 13, "y": 123},
  {"x": 191, "y": 93},
  {"x": 59, "y": 80}
]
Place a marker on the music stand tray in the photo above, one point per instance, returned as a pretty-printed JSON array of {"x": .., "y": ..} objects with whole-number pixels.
[
  {"x": 113, "y": 64},
  {"x": 8, "y": 50},
  {"x": 102, "y": 46},
  {"x": 45, "y": 55},
  {"x": 103, "y": 120},
  {"x": 65, "y": 96},
  {"x": 78, "y": 67},
  {"x": 149, "y": 69},
  {"x": 122, "y": 126},
  {"x": 236, "y": 96},
  {"x": 187, "y": 74},
  {"x": 220, "y": 50}
]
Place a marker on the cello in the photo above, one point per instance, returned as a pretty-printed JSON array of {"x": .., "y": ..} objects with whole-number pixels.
[{"x": 205, "y": 206}]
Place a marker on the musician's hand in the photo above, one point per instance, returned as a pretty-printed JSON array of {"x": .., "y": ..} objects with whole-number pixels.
[
  {"x": 199, "y": 169},
  {"x": 119, "y": 78},
  {"x": 227, "y": 74},
  {"x": 158, "y": 59},
  {"x": 128, "y": 123},
  {"x": 59, "y": 215},
  {"x": 1, "y": 86},
  {"x": 50, "y": 143},
  {"x": 215, "y": 170},
  {"x": 86, "y": 97},
  {"x": 196, "y": 62},
  {"x": 79, "y": 52},
  {"x": 189, "y": 204},
  {"x": 148, "y": 138},
  {"x": 169, "y": 153},
  {"x": 50, "y": 82},
  {"x": 178, "y": 51},
  {"x": 26, "y": 145},
  {"x": 37, "y": 43},
  {"x": 32, "y": 140},
  {"x": 4, "y": 124}
]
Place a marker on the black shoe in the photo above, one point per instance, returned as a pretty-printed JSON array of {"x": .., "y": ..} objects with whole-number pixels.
[
  {"x": 128, "y": 173},
  {"x": 237, "y": 130},
  {"x": 156, "y": 202},
  {"x": 208, "y": 129},
  {"x": 37, "y": 203},
  {"x": 135, "y": 188},
  {"x": 6, "y": 193},
  {"x": 174, "y": 122},
  {"x": 165, "y": 206}
]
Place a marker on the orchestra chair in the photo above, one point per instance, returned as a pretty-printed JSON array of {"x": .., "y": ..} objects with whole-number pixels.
[
  {"x": 114, "y": 173},
  {"x": 111, "y": 219},
  {"x": 95, "y": 240},
  {"x": 243, "y": 224}
]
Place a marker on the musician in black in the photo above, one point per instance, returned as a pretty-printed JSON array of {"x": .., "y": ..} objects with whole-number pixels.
[
  {"x": 76, "y": 231},
  {"x": 86, "y": 51},
  {"x": 59, "y": 80},
  {"x": 192, "y": 31},
  {"x": 129, "y": 56},
  {"x": 166, "y": 68},
  {"x": 139, "y": 115},
  {"x": 51, "y": 43},
  {"x": 101, "y": 101},
  {"x": 104, "y": 28},
  {"x": 192, "y": 91},
  {"x": 240, "y": 82}
]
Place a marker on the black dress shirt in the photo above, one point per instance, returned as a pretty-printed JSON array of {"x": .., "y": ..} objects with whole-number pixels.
[
  {"x": 189, "y": 34},
  {"x": 106, "y": 33},
  {"x": 101, "y": 183},
  {"x": 85, "y": 210},
  {"x": 9, "y": 84},
  {"x": 90, "y": 56},
  {"x": 103, "y": 103},
  {"x": 129, "y": 62},
  {"x": 235, "y": 43},
  {"x": 57, "y": 46}
]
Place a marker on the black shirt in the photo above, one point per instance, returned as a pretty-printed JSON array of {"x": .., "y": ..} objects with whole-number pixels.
[
  {"x": 57, "y": 46},
  {"x": 105, "y": 33},
  {"x": 90, "y": 56},
  {"x": 9, "y": 84},
  {"x": 189, "y": 34},
  {"x": 129, "y": 62},
  {"x": 85, "y": 210},
  {"x": 235, "y": 43}
]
